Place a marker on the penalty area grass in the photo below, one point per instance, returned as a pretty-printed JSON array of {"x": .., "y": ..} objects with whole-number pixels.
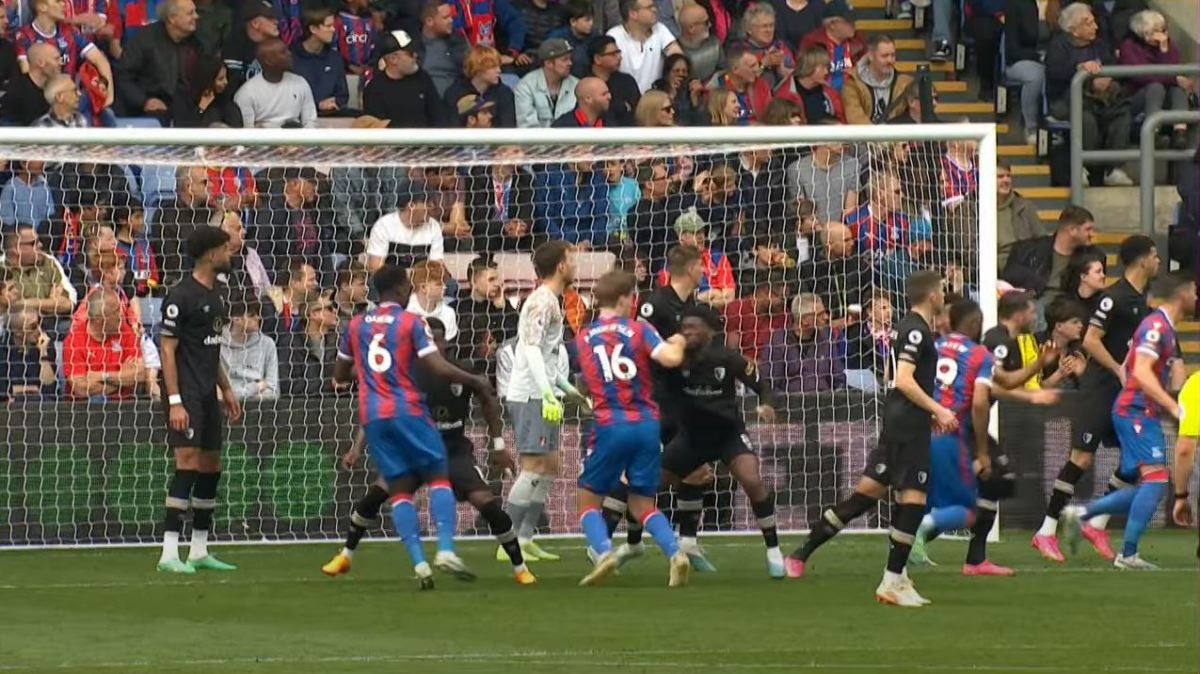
[{"x": 108, "y": 610}]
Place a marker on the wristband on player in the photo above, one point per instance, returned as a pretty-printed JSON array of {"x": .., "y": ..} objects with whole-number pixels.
[
  {"x": 1182, "y": 497},
  {"x": 498, "y": 444},
  {"x": 175, "y": 399}
]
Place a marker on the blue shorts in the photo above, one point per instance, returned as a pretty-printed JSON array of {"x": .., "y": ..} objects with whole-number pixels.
[
  {"x": 630, "y": 449},
  {"x": 952, "y": 477},
  {"x": 408, "y": 445},
  {"x": 1142, "y": 443}
]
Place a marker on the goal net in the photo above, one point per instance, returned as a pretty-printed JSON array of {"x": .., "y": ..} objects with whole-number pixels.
[{"x": 807, "y": 235}]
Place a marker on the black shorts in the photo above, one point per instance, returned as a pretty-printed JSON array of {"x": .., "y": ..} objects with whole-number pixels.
[
  {"x": 688, "y": 451},
  {"x": 1002, "y": 483},
  {"x": 206, "y": 425},
  {"x": 902, "y": 463},
  {"x": 1091, "y": 423},
  {"x": 465, "y": 475}
]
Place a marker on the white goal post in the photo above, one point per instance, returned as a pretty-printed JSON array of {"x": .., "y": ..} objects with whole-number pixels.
[{"x": 91, "y": 470}]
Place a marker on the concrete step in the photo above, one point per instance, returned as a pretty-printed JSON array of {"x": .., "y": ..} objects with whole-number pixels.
[
  {"x": 1016, "y": 151},
  {"x": 886, "y": 25},
  {"x": 950, "y": 86},
  {"x": 1028, "y": 169},
  {"x": 869, "y": 4},
  {"x": 966, "y": 108},
  {"x": 1048, "y": 214},
  {"x": 911, "y": 66},
  {"x": 1046, "y": 193}
]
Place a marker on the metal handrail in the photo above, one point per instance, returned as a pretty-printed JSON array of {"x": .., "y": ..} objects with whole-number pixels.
[
  {"x": 1149, "y": 154},
  {"x": 1079, "y": 156}
]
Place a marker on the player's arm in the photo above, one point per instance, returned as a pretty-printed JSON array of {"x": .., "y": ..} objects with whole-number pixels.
[
  {"x": 906, "y": 383},
  {"x": 981, "y": 410},
  {"x": 1013, "y": 379},
  {"x": 1143, "y": 374},
  {"x": 1093, "y": 344},
  {"x": 669, "y": 353},
  {"x": 747, "y": 373},
  {"x": 436, "y": 365}
]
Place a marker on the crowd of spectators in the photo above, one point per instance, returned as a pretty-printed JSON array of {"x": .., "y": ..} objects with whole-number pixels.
[{"x": 804, "y": 250}]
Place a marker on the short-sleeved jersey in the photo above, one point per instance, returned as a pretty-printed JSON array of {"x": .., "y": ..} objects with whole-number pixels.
[
  {"x": 384, "y": 344},
  {"x": 958, "y": 181},
  {"x": 1004, "y": 348},
  {"x": 354, "y": 37},
  {"x": 663, "y": 308},
  {"x": 707, "y": 388},
  {"x": 72, "y": 45},
  {"x": 914, "y": 343},
  {"x": 1189, "y": 402},
  {"x": 961, "y": 364},
  {"x": 1119, "y": 310},
  {"x": 288, "y": 11},
  {"x": 614, "y": 356},
  {"x": 1154, "y": 339},
  {"x": 878, "y": 233},
  {"x": 195, "y": 315},
  {"x": 449, "y": 403}
]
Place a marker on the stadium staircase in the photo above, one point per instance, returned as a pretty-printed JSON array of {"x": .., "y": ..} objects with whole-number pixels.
[{"x": 958, "y": 94}]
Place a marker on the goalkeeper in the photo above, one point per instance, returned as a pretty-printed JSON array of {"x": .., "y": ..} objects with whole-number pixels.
[
  {"x": 532, "y": 402},
  {"x": 1185, "y": 450}
]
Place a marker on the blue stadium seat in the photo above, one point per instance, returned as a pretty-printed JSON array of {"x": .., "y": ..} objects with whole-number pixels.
[{"x": 510, "y": 80}]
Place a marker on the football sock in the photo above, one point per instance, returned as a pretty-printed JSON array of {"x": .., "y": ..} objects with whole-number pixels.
[
  {"x": 1141, "y": 511},
  {"x": 689, "y": 504},
  {"x": 404, "y": 517},
  {"x": 904, "y": 529},
  {"x": 985, "y": 517},
  {"x": 179, "y": 492},
  {"x": 945, "y": 519},
  {"x": 539, "y": 491},
  {"x": 655, "y": 523},
  {"x": 204, "y": 501},
  {"x": 615, "y": 507},
  {"x": 1117, "y": 502},
  {"x": 595, "y": 530},
  {"x": 501, "y": 525},
  {"x": 764, "y": 510},
  {"x": 1115, "y": 483},
  {"x": 444, "y": 513},
  {"x": 633, "y": 530},
  {"x": 832, "y": 521},
  {"x": 1064, "y": 489},
  {"x": 518, "y": 498},
  {"x": 364, "y": 515}
]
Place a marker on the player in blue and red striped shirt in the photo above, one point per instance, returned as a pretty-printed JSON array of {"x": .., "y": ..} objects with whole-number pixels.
[
  {"x": 354, "y": 35},
  {"x": 1137, "y": 418},
  {"x": 615, "y": 354},
  {"x": 379, "y": 350}
]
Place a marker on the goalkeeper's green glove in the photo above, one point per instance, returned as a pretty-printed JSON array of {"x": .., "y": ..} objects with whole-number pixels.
[{"x": 552, "y": 409}]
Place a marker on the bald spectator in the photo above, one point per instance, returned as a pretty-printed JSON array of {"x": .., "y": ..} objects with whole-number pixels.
[
  {"x": 276, "y": 97},
  {"x": 177, "y": 218},
  {"x": 102, "y": 356},
  {"x": 592, "y": 100},
  {"x": 156, "y": 59},
  {"x": 547, "y": 93},
  {"x": 698, "y": 43},
  {"x": 63, "y": 97},
  {"x": 24, "y": 100}
]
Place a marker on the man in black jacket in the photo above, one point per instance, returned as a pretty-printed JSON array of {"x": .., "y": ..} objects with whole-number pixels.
[
  {"x": 156, "y": 61},
  {"x": 24, "y": 100},
  {"x": 606, "y": 65},
  {"x": 499, "y": 202},
  {"x": 401, "y": 92},
  {"x": 1037, "y": 264}
]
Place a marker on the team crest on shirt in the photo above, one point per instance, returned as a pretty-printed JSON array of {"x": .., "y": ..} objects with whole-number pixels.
[
  {"x": 719, "y": 373},
  {"x": 1001, "y": 352},
  {"x": 172, "y": 311},
  {"x": 922, "y": 477},
  {"x": 647, "y": 310},
  {"x": 915, "y": 337},
  {"x": 1107, "y": 304},
  {"x": 456, "y": 389}
]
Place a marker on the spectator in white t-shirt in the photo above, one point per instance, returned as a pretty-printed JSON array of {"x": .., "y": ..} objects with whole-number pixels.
[
  {"x": 644, "y": 42},
  {"x": 276, "y": 97},
  {"x": 406, "y": 236},
  {"x": 428, "y": 299}
]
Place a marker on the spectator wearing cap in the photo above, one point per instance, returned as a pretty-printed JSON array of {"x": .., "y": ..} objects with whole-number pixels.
[
  {"x": 205, "y": 100},
  {"x": 717, "y": 286},
  {"x": 579, "y": 30},
  {"x": 276, "y": 97},
  {"x": 24, "y": 100},
  {"x": 774, "y": 56},
  {"x": 744, "y": 80},
  {"x": 442, "y": 49},
  {"x": 475, "y": 112},
  {"x": 49, "y": 25},
  {"x": 63, "y": 96},
  {"x": 154, "y": 64},
  {"x": 750, "y": 321},
  {"x": 606, "y": 61},
  {"x": 838, "y": 37},
  {"x": 547, "y": 93},
  {"x": 428, "y": 299},
  {"x": 257, "y": 23},
  {"x": 481, "y": 77},
  {"x": 696, "y": 40},
  {"x": 800, "y": 358},
  {"x": 400, "y": 91},
  {"x": 406, "y": 236},
  {"x": 643, "y": 41},
  {"x": 872, "y": 91},
  {"x": 592, "y": 101},
  {"x": 320, "y": 64}
]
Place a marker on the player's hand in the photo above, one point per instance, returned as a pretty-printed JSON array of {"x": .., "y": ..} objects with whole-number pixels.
[
  {"x": 983, "y": 466},
  {"x": 501, "y": 462},
  {"x": 552, "y": 409},
  {"x": 1121, "y": 375},
  {"x": 766, "y": 414},
  {"x": 944, "y": 419},
  {"x": 1181, "y": 513},
  {"x": 233, "y": 408},
  {"x": 1044, "y": 397},
  {"x": 351, "y": 457},
  {"x": 177, "y": 418}
]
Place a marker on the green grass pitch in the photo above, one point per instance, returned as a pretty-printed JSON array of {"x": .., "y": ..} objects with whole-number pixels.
[{"x": 81, "y": 611}]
